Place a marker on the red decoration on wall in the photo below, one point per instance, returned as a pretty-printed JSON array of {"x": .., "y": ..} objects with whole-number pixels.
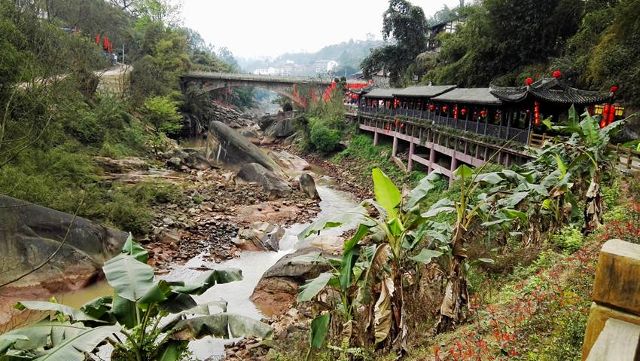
[
  {"x": 98, "y": 39},
  {"x": 455, "y": 112},
  {"x": 612, "y": 114},
  {"x": 556, "y": 74},
  {"x": 528, "y": 81}
]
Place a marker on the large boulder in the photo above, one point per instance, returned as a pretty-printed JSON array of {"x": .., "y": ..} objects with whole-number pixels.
[
  {"x": 261, "y": 236},
  {"x": 281, "y": 128},
  {"x": 30, "y": 234},
  {"x": 277, "y": 289},
  {"x": 270, "y": 182},
  {"x": 229, "y": 147},
  {"x": 308, "y": 186}
]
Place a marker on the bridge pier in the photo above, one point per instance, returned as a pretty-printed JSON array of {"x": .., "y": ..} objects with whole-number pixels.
[
  {"x": 375, "y": 138},
  {"x": 454, "y": 166},
  {"x": 394, "y": 149},
  {"x": 432, "y": 158}
]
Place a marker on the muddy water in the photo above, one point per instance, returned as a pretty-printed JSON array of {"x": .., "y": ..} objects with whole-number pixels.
[{"x": 253, "y": 265}]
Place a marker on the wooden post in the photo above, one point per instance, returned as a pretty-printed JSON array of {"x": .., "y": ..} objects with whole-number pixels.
[{"x": 629, "y": 159}]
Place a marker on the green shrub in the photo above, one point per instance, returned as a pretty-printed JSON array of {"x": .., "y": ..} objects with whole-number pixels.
[
  {"x": 569, "y": 239},
  {"x": 162, "y": 113},
  {"x": 323, "y": 138}
]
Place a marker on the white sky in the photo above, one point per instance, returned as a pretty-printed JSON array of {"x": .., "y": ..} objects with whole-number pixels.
[{"x": 256, "y": 28}]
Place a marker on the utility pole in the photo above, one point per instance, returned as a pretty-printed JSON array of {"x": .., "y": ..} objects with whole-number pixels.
[{"x": 123, "y": 54}]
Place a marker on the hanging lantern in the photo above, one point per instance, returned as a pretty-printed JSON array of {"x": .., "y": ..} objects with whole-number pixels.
[
  {"x": 614, "y": 88},
  {"x": 557, "y": 74},
  {"x": 445, "y": 108},
  {"x": 528, "y": 81},
  {"x": 536, "y": 113},
  {"x": 455, "y": 112},
  {"x": 463, "y": 112},
  {"x": 432, "y": 107}
]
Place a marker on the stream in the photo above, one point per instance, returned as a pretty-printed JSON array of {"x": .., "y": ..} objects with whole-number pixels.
[
  {"x": 237, "y": 294},
  {"x": 253, "y": 266}
]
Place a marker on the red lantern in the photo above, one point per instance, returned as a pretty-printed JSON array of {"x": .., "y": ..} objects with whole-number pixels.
[
  {"x": 463, "y": 111},
  {"x": 556, "y": 74},
  {"x": 528, "y": 81},
  {"x": 455, "y": 112},
  {"x": 445, "y": 108},
  {"x": 432, "y": 107},
  {"x": 614, "y": 88},
  {"x": 536, "y": 113}
]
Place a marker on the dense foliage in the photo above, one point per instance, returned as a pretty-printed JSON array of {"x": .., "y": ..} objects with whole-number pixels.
[
  {"x": 54, "y": 118},
  {"x": 145, "y": 319},
  {"x": 594, "y": 44}
]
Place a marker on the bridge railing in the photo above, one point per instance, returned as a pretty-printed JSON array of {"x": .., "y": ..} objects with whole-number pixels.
[
  {"x": 491, "y": 130},
  {"x": 257, "y": 77}
]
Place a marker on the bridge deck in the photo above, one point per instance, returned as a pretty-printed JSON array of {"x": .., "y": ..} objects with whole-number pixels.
[{"x": 257, "y": 78}]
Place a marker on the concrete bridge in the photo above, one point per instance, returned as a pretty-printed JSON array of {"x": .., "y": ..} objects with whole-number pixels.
[{"x": 299, "y": 90}]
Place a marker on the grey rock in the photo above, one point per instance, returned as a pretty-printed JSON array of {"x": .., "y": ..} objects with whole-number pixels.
[
  {"x": 270, "y": 182},
  {"x": 229, "y": 147},
  {"x": 281, "y": 128},
  {"x": 31, "y": 233},
  {"x": 308, "y": 186}
]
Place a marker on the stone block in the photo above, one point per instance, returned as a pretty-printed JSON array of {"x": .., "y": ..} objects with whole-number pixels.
[
  {"x": 617, "y": 281},
  {"x": 598, "y": 317},
  {"x": 618, "y": 341}
]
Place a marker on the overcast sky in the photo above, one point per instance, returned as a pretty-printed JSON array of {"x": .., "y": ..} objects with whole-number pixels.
[{"x": 256, "y": 28}]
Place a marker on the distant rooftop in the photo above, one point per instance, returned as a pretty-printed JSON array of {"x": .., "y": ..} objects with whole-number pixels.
[
  {"x": 470, "y": 96},
  {"x": 428, "y": 91},
  {"x": 382, "y": 93}
]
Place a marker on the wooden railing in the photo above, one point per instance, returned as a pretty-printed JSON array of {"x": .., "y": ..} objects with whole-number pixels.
[{"x": 629, "y": 159}]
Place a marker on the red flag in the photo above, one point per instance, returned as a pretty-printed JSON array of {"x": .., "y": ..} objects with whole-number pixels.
[{"x": 98, "y": 39}]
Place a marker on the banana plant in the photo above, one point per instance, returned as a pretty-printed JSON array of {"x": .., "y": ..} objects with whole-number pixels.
[
  {"x": 589, "y": 157},
  {"x": 145, "y": 319},
  {"x": 371, "y": 277}
]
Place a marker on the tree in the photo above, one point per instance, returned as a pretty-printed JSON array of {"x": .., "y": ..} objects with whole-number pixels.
[{"x": 407, "y": 26}]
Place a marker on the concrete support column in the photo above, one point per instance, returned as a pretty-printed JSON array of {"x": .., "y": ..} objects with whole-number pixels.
[
  {"x": 411, "y": 151},
  {"x": 432, "y": 159},
  {"x": 454, "y": 166},
  {"x": 375, "y": 137},
  {"x": 394, "y": 150}
]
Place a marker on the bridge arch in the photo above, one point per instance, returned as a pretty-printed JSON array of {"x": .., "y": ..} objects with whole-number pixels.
[
  {"x": 301, "y": 102},
  {"x": 285, "y": 86}
]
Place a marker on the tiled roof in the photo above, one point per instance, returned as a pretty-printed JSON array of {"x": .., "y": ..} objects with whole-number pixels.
[
  {"x": 470, "y": 96},
  {"x": 382, "y": 93},
  {"x": 428, "y": 91},
  {"x": 550, "y": 90}
]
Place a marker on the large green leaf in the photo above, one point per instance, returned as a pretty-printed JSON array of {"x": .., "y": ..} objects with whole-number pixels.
[
  {"x": 513, "y": 200},
  {"x": 208, "y": 280},
  {"x": 426, "y": 185},
  {"x": 319, "y": 330},
  {"x": 83, "y": 342},
  {"x": 426, "y": 255},
  {"x": 346, "y": 268},
  {"x": 99, "y": 308},
  {"x": 74, "y": 315},
  {"x": 171, "y": 350},
  {"x": 357, "y": 237},
  {"x": 160, "y": 291},
  {"x": 135, "y": 250},
  {"x": 354, "y": 216},
  {"x": 223, "y": 325},
  {"x": 130, "y": 278},
  {"x": 125, "y": 311},
  {"x": 444, "y": 205},
  {"x": 310, "y": 289},
  {"x": 464, "y": 171},
  {"x": 387, "y": 194}
]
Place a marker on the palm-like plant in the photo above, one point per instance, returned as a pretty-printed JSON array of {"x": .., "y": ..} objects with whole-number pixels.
[{"x": 146, "y": 319}]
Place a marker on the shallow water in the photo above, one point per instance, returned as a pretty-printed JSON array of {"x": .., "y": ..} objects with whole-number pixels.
[{"x": 253, "y": 266}]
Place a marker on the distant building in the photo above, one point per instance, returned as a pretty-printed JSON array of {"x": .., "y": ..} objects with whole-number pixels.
[{"x": 448, "y": 26}]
